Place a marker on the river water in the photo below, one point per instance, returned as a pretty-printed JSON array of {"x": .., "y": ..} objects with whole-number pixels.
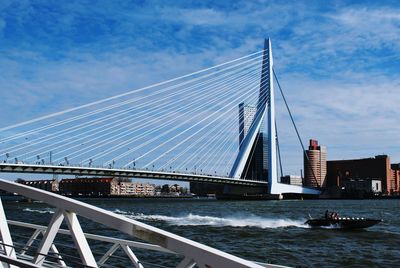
[{"x": 264, "y": 231}]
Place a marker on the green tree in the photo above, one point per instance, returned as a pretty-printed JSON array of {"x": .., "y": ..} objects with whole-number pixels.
[{"x": 165, "y": 189}]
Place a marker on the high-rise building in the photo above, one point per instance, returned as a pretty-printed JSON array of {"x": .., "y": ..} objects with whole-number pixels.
[
  {"x": 315, "y": 165},
  {"x": 257, "y": 165},
  {"x": 246, "y": 117},
  {"x": 265, "y": 152}
]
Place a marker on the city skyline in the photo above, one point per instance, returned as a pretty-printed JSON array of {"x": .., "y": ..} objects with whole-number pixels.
[{"x": 334, "y": 72}]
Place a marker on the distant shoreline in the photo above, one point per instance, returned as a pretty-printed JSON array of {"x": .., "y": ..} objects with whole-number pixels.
[{"x": 209, "y": 198}]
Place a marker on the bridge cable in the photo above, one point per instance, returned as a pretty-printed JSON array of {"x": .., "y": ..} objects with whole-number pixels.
[
  {"x": 78, "y": 139},
  {"x": 219, "y": 116},
  {"x": 217, "y": 146},
  {"x": 137, "y": 122},
  {"x": 123, "y": 94},
  {"x": 105, "y": 134},
  {"x": 295, "y": 127},
  {"x": 253, "y": 149},
  {"x": 93, "y": 122},
  {"x": 232, "y": 158},
  {"x": 159, "y": 136},
  {"x": 115, "y": 105},
  {"x": 222, "y": 150},
  {"x": 198, "y": 108},
  {"x": 278, "y": 149}
]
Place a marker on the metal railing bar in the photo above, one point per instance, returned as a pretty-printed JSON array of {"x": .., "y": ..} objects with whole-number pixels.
[
  {"x": 30, "y": 248},
  {"x": 46, "y": 263},
  {"x": 53, "y": 255},
  {"x": 117, "y": 257},
  {"x": 268, "y": 265},
  {"x": 62, "y": 245},
  {"x": 60, "y": 260},
  {"x": 108, "y": 254},
  {"x": 107, "y": 266},
  {"x": 30, "y": 239},
  {"x": 28, "y": 257},
  {"x": 75, "y": 259},
  {"x": 132, "y": 256},
  {"x": 58, "y": 256},
  {"x": 95, "y": 252},
  {"x": 143, "y": 262},
  {"x": 130, "y": 243},
  {"x": 154, "y": 264},
  {"x": 23, "y": 237},
  {"x": 17, "y": 262}
]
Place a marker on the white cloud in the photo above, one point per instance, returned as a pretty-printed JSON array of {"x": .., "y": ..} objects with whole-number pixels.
[
  {"x": 354, "y": 120},
  {"x": 369, "y": 27},
  {"x": 207, "y": 17}
]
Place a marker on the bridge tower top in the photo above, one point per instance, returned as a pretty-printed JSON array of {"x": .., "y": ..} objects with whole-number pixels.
[{"x": 265, "y": 115}]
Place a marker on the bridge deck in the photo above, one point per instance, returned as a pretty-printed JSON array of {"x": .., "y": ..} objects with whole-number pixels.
[{"x": 145, "y": 174}]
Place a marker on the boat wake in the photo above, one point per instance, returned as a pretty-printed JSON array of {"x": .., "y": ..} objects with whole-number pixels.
[
  {"x": 199, "y": 220},
  {"x": 236, "y": 221},
  {"x": 41, "y": 211}
]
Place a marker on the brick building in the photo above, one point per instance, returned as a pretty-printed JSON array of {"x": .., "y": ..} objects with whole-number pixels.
[
  {"x": 340, "y": 171},
  {"x": 47, "y": 185},
  {"x": 89, "y": 186},
  {"x": 315, "y": 166},
  {"x": 394, "y": 184}
]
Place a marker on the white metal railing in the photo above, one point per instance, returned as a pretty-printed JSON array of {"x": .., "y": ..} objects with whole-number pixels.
[
  {"x": 115, "y": 243},
  {"x": 194, "y": 254}
]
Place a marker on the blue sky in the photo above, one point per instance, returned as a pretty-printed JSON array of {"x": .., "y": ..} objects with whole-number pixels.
[{"x": 338, "y": 63}]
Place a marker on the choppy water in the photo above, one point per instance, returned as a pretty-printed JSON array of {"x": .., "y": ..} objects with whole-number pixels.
[{"x": 264, "y": 231}]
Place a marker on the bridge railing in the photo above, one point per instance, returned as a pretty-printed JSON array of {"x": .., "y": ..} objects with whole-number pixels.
[
  {"x": 23, "y": 250},
  {"x": 86, "y": 171},
  {"x": 192, "y": 254},
  {"x": 78, "y": 165}
]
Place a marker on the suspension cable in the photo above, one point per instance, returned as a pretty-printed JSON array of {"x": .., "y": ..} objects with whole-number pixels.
[{"x": 295, "y": 127}]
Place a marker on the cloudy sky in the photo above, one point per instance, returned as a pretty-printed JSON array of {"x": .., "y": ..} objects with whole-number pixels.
[{"x": 338, "y": 63}]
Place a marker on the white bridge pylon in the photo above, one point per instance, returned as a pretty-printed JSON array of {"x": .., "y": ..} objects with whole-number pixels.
[{"x": 266, "y": 113}]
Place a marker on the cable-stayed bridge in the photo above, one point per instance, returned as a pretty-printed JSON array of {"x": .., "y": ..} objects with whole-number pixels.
[
  {"x": 191, "y": 128},
  {"x": 186, "y": 128}
]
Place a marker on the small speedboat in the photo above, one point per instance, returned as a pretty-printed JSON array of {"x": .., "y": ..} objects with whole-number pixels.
[{"x": 342, "y": 222}]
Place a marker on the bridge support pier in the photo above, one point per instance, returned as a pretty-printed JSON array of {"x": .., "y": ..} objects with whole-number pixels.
[{"x": 231, "y": 192}]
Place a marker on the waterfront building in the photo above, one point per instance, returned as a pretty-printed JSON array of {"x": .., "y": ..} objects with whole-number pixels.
[
  {"x": 394, "y": 184},
  {"x": 315, "y": 167},
  {"x": 362, "y": 188},
  {"x": 105, "y": 187},
  {"x": 378, "y": 167},
  {"x": 149, "y": 189},
  {"x": 47, "y": 185},
  {"x": 89, "y": 186},
  {"x": 127, "y": 188},
  {"x": 135, "y": 188},
  {"x": 292, "y": 179}
]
